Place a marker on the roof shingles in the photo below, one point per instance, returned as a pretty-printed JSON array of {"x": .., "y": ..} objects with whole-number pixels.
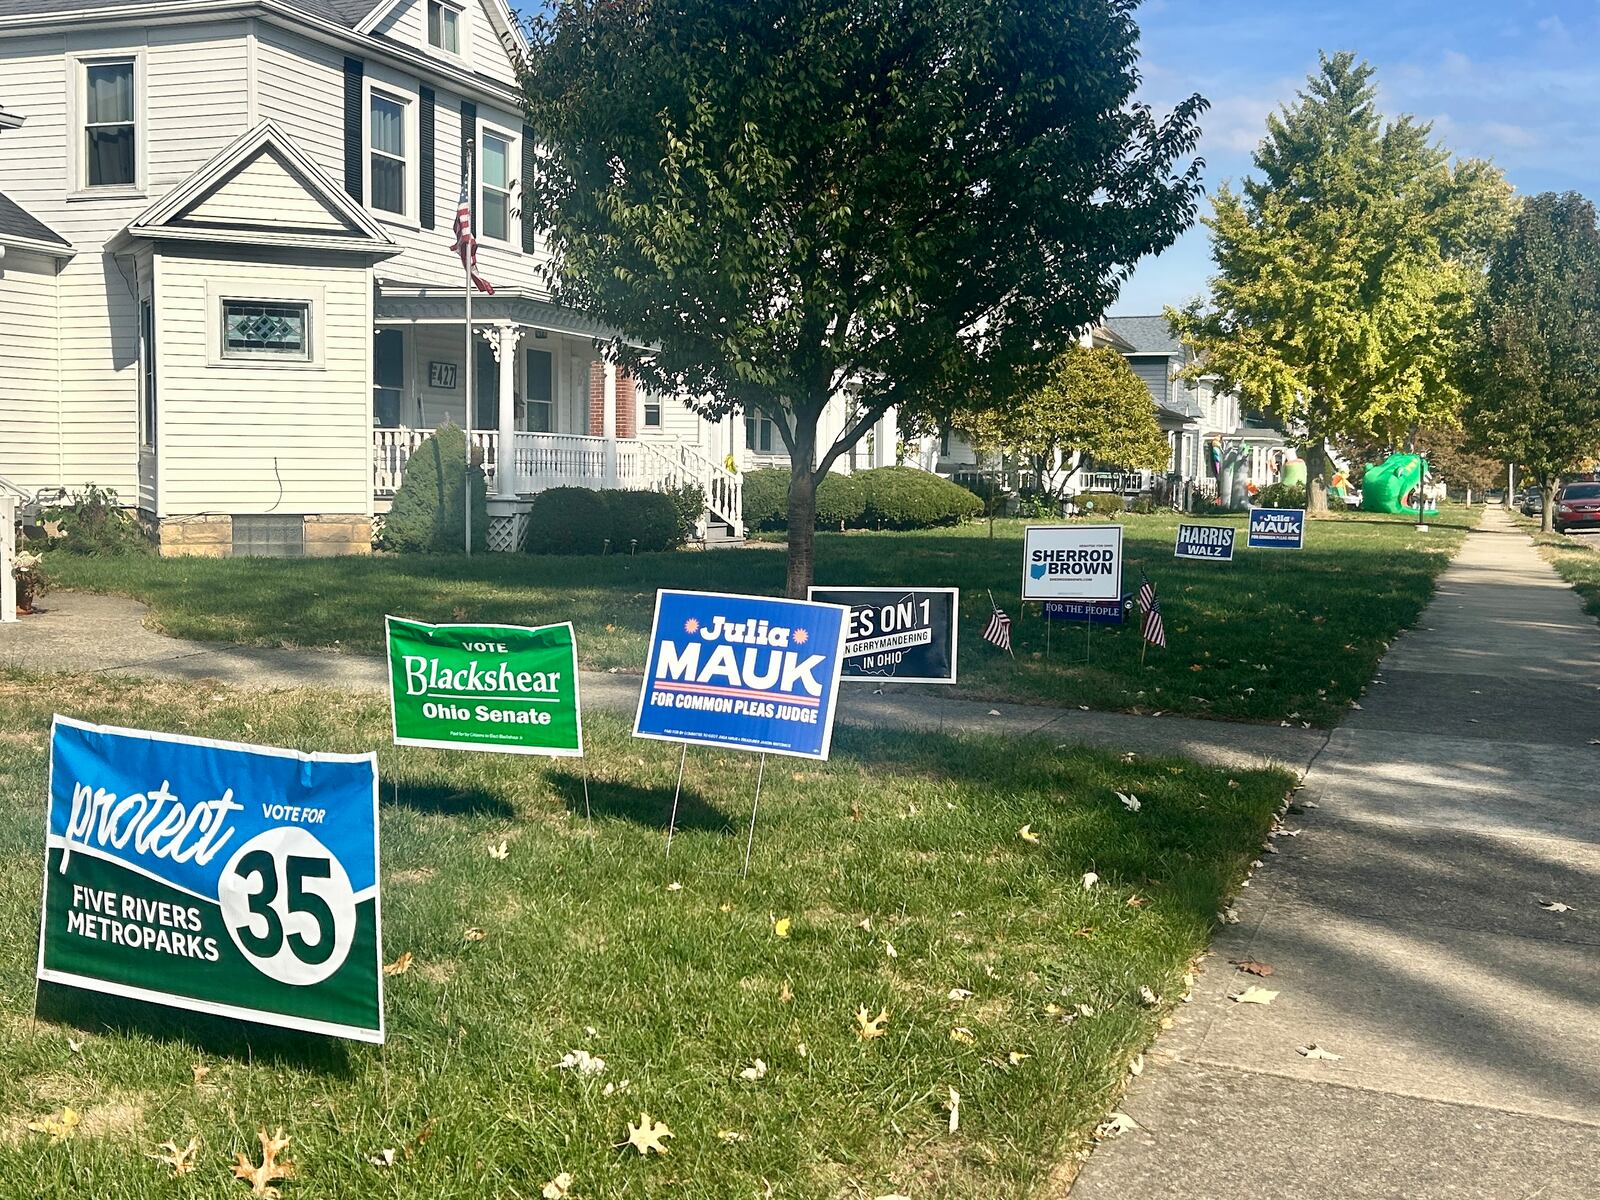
[{"x": 17, "y": 222}]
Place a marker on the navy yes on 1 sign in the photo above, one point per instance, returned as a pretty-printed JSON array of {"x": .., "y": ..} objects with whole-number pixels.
[
  {"x": 746, "y": 672},
  {"x": 1277, "y": 528},
  {"x": 1212, "y": 542}
]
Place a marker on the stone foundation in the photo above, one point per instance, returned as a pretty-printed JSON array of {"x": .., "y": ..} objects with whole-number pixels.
[
  {"x": 325, "y": 535},
  {"x": 330, "y": 535}
]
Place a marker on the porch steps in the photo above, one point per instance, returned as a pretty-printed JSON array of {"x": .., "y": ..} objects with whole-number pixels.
[{"x": 721, "y": 536}]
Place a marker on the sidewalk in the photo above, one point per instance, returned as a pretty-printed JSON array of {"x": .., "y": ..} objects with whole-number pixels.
[
  {"x": 1405, "y": 931},
  {"x": 94, "y": 634}
]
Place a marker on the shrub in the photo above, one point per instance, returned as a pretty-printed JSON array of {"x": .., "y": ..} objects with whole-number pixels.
[
  {"x": 1281, "y": 495},
  {"x": 573, "y": 520},
  {"x": 1101, "y": 504},
  {"x": 1038, "y": 506},
  {"x": 1143, "y": 505},
  {"x": 841, "y": 501},
  {"x": 93, "y": 523},
  {"x": 690, "y": 503},
  {"x": 906, "y": 498},
  {"x": 429, "y": 509},
  {"x": 766, "y": 499}
]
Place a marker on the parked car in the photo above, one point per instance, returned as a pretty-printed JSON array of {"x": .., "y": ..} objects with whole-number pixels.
[
  {"x": 1578, "y": 507},
  {"x": 1532, "y": 503}
]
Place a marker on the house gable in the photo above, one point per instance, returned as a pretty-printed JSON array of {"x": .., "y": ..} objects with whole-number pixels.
[
  {"x": 265, "y": 192},
  {"x": 492, "y": 39}
]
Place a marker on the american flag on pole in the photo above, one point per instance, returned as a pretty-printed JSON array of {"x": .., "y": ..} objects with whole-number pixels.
[
  {"x": 1155, "y": 630},
  {"x": 467, "y": 245},
  {"x": 998, "y": 630}
]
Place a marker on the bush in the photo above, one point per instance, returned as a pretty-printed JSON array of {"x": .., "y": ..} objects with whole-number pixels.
[
  {"x": 573, "y": 520},
  {"x": 690, "y": 503},
  {"x": 841, "y": 502},
  {"x": 93, "y": 523},
  {"x": 429, "y": 509},
  {"x": 1143, "y": 505},
  {"x": 906, "y": 498},
  {"x": 1281, "y": 495},
  {"x": 1101, "y": 504}
]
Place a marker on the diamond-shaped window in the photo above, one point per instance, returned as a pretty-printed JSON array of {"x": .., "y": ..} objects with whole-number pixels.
[{"x": 253, "y": 328}]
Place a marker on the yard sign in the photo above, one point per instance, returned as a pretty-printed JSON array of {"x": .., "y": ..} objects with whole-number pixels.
[
  {"x": 907, "y": 635},
  {"x": 214, "y": 877},
  {"x": 1277, "y": 528},
  {"x": 1214, "y": 543},
  {"x": 745, "y": 672},
  {"x": 485, "y": 687},
  {"x": 1072, "y": 562}
]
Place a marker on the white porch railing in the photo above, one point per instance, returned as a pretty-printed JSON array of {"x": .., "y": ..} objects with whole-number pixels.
[
  {"x": 1112, "y": 481},
  {"x": 548, "y": 460}
]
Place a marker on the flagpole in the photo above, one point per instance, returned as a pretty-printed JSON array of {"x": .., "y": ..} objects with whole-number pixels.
[{"x": 466, "y": 268}]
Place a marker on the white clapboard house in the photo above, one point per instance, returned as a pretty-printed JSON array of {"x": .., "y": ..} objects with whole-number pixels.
[{"x": 227, "y": 289}]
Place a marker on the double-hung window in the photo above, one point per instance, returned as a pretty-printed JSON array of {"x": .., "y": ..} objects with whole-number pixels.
[
  {"x": 444, "y": 27},
  {"x": 494, "y": 209},
  {"x": 110, "y": 124},
  {"x": 760, "y": 436},
  {"x": 388, "y": 155}
]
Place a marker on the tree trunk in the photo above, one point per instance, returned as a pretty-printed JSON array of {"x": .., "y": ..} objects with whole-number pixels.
[
  {"x": 1547, "y": 498},
  {"x": 802, "y": 526},
  {"x": 1316, "y": 478}
]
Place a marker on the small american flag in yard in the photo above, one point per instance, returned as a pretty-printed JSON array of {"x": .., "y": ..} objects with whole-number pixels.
[
  {"x": 1155, "y": 630},
  {"x": 998, "y": 630},
  {"x": 467, "y": 245}
]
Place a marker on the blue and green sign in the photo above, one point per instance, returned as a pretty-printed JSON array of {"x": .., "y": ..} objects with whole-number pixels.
[{"x": 240, "y": 881}]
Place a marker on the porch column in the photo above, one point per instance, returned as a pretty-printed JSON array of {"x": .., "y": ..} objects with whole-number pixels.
[
  {"x": 608, "y": 422},
  {"x": 886, "y": 440},
  {"x": 503, "y": 342}
]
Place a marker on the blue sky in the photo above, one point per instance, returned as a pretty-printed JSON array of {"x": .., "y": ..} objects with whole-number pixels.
[{"x": 1517, "y": 82}]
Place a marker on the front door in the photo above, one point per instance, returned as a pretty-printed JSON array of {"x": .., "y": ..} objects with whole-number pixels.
[{"x": 538, "y": 381}]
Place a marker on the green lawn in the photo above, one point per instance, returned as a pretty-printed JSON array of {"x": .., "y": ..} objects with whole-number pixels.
[
  {"x": 903, "y": 840},
  {"x": 1575, "y": 558},
  {"x": 1273, "y": 635}
]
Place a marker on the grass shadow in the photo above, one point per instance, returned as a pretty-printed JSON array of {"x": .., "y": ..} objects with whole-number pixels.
[
  {"x": 225, "y": 1037},
  {"x": 442, "y": 799},
  {"x": 649, "y": 807}
]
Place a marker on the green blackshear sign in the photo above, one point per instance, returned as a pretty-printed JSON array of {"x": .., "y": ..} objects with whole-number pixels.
[{"x": 485, "y": 687}]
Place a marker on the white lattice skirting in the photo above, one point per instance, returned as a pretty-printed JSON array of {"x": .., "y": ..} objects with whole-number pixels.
[{"x": 507, "y": 534}]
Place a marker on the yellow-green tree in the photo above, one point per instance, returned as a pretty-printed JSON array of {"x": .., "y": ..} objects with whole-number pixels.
[
  {"x": 1092, "y": 402},
  {"x": 1347, "y": 269}
]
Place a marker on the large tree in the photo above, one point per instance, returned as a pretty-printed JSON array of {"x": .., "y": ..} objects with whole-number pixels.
[
  {"x": 1347, "y": 265},
  {"x": 786, "y": 201},
  {"x": 1091, "y": 402},
  {"x": 1535, "y": 389}
]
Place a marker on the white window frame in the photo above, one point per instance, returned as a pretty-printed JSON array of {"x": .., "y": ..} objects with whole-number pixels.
[
  {"x": 78, "y": 64},
  {"x": 412, "y": 158},
  {"x": 513, "y": 239},
  {"x": 463, "y": 30},
  {"x": 753, "y": 444},
  {"x": 252, "y": 291}
]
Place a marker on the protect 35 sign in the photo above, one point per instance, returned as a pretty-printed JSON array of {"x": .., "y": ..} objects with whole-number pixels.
[
  {"x": 907, "y": 635},
  {"x": 745, "y": 672},
  {"x": 215, "y": 877},
  {"x": 1072, "y": 562},
  {"x": 1277, "y": 528}
]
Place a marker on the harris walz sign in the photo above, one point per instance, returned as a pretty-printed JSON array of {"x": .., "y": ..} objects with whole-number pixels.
[
  {"x": 907, "y": 635},
  {"x": 1213, "y": 543},
  {"x": 485, "y": 687},
  {"x": 744, "y": 672},
  {"x": 214, "y": 877}
]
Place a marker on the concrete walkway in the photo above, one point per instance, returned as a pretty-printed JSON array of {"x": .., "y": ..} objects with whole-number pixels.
[
  {"x": 94, "y": 634},
  {"x": 1406, "y": 934}
]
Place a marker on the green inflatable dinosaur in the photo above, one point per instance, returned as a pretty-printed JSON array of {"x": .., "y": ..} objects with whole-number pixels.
[{"x": 1392, "y": 486}]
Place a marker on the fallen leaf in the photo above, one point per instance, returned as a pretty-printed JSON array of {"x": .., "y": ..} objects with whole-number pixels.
[
  {"x": 1115, "y": 1125},
  {"x": 1089, "y": 877},
  {"x": 180, "y": 1159},
  {"x": 1316, "y": 1051},
  {"x": 1132, "y": 901},
  {"x": 727, "y": 908},
  {"x": 728, "y": 1137},
  {"x": 616, "y": 1088},
  {"x": 1129, "y": 801},
  {"x": 869, "y": 1026},
  {"x": 963, "y": 1035},
  {"x": 472, "y": 932},
  {"x": 956, "y": 994},
  {"x": 993, "y": 712},
  {"x": 558, "y": 1187},
  {"x": 581, "y": 1061},
  {"x": 865, "y": 922},
  {"x": 953, "y": 1104},
  {"x": 1085, "y": 1010},
  {"x": 1146, "y": 996},
  {"x": 1228, "y": 916},
  {"x": 1026, "y": 833},
  {"x": 501, "y": 851},
  {"x": 888, "y": 947},
  {"x": 1017, "y": 1057},
  {"x": 1050, "y": 1010},
  {"x": 1251, "y": 967},
  {"x": 674, "y": 886},
  {"x": 802, "y": 1049},
  {"x": 383, "y": 1159},
  {"x": 1554, "y": 906},
  {"x": 1136, "y": 1066},
  {"x": 58, "y": 1125},
  {"x": 647, "y": 1135},
  {"x": 74, "y": 1046},
  {"x": 200, "y": 1070},
  {"x": 402, "y": 964},
  {"x": 271, "y": 1169},
  {"x": 1254, "y": 995},
  {"x": 754, "y": 1073},
  {"x": 785, "y": 993},
  {"x": 780, "y": 927}
]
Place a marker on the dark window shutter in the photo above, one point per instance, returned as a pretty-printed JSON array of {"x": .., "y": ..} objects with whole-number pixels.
[
  {"x": 425, "y": 164},
  {"x": 354, "y": 127},
  {"x": 469, "y": 146},
  {"x": 529, "y": 165}
]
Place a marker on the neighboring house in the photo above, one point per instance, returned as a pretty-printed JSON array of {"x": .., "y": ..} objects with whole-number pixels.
[
  {"x": 227, "y": 289},
  {"x": 1199, "y": 419}
]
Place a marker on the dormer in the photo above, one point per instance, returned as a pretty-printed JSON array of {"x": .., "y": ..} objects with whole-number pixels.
[{"x": 481, "y": 36}]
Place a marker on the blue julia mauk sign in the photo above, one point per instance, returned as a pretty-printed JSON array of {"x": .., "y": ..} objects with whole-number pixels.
[
  {"x": 744, "y": 672},
  {"x": 1277, "y": 528}
]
